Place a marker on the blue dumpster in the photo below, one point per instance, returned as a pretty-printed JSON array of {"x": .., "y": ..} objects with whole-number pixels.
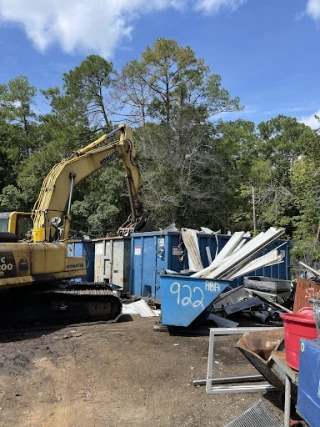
[
  {"x": 85, "y": 250},
  {"x": 184, "y": 298},
  {"x": 150, "y": 254},
  {"x": 154, "y": 252}
]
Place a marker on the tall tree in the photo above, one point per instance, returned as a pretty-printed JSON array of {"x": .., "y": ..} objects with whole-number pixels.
[
  {"x": 19, "y": 136},
  {"x": 178, "y": 150},
  {"x": 169, "y": 81},
  {"x": 132, "y": 91},
  {"x": 16, "y": 99},
  {"x": 87, "y": 85}
]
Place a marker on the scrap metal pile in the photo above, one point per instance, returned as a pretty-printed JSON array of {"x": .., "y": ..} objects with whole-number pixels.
[
  {"x": 237, "y": 258},
  {"x": 259, "y": 298},
  {"x": 258, "y": 305}
]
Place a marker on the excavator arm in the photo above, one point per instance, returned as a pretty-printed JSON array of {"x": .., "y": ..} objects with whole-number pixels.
[{"x": 57, "y": 188}]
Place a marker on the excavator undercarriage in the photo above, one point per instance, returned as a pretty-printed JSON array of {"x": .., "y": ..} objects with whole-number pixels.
[{"x": 60, "y": 302}]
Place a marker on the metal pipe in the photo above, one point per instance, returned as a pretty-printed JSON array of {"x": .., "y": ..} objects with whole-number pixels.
[
  {"x": 261, "y": 316},
  {"x": 317, "y": 273},
  {"x": 287, "y": 402},
  {"x": 229, "y": 380},
  {"x": 241, "y": 389},
  {"x": 72, "y": 177}
]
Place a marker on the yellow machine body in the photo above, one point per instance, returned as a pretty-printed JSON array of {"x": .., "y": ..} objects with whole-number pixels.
[{"x": 26, "y": 263}]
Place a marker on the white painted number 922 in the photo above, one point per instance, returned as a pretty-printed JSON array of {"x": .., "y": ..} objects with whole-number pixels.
[{"x": 175, "y": 288}]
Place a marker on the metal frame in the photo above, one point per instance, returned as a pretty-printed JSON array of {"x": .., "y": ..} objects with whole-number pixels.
[
  {"x": 227, "y": 380},
  {"x": 231, "y": 389},
  {"x": 291, "y": 377}
]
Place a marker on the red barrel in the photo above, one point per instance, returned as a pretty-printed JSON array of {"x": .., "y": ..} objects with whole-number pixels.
[{"x": 296, "y": 326}]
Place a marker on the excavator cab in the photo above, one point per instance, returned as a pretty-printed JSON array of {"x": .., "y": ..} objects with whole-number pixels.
[{"x": 18, "y": 223}]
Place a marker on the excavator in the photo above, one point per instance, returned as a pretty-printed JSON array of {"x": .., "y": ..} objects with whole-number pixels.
[{"x": 35, "y": 270}]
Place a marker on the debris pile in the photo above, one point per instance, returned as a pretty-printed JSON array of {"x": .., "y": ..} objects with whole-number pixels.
[
  {"x": 140, "y": 307},
  {"x": 260, "y": 299},
  {"x": 257, "y": 305},
  {"x": 238, "y": 257}
]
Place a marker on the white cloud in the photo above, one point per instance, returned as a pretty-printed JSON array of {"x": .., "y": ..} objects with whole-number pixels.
[
  {"x": 313, "y": 9},
  {"x": 311, "y": 120},
  {"x": 97, "y": 26},
  {"x": 214, "y": 6}
]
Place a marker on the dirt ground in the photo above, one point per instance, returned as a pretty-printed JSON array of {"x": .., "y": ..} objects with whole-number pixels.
[{"x": 113, "y": 375}]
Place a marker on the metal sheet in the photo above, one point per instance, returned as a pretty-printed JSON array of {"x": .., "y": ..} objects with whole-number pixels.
[
  {"x": 143, "y": 309},
  {"x": 258, "y": 415},
  {"x": 249, "y": 251},
  {"x": 191, "y": 242},
  {"x": 257, "y": 347},
  {"x": 231, "y": 297},
  {"x": 305, "y": 289},
  {"x": 242, "y": 305},
  {"x": 222, "y": 321}
]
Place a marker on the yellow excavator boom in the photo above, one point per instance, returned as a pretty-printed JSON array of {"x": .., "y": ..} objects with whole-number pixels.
[{"x": 57, "y": 188}]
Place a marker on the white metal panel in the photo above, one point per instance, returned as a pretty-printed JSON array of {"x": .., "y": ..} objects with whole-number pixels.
[
  {"x": 99, "y": 260},
  {"x": 112, "y": 261},
  {"x": 190, "y": 240}
]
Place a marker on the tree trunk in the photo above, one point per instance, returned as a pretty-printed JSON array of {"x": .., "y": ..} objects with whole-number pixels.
[
  {"x": 318, "y": 233},
  {"x": 103, "y": 110},
  {"x": 276, "y": 207},
  {"x": 167, "y": 99},
  {"x": 254, "y": 215}
]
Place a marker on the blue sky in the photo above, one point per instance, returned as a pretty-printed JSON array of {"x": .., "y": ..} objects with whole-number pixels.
[{"x": 265, "y": 50}]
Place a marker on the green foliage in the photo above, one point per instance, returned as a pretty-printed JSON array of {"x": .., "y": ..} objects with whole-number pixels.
[{"x": 86, "y": 86}]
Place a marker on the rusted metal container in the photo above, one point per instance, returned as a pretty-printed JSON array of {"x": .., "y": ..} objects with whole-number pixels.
[
  {"x": 112, "y": 261},
  {"x": 257, "y": 347},
  {"x": 305, "y": 289}
]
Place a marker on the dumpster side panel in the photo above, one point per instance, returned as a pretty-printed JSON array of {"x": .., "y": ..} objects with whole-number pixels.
[
  {"x": 99, "y": 260},
  {"x": 120, "y": 268},
  {"x": 152, "y": 253},
  {"x": 185, "y": 298},
  {"x": 136, "y": 265},
  {"x": 85, "y": 250},
  {"x": 112, "y": 261}
]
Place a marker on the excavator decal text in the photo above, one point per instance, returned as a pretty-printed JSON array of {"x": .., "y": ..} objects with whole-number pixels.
[
  {"x": 79, "y": 265},
  {"x": 7, "y": 265},
  {"x": 110, "y": 157}
]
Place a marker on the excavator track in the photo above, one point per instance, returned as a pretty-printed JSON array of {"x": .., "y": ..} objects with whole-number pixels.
[{"x": 68, "y": 302}]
